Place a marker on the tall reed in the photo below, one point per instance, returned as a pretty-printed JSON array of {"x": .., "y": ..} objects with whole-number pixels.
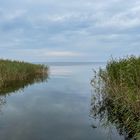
[
  {"x": 11, "y": 71},
  {"x": 119, "y": 88}
]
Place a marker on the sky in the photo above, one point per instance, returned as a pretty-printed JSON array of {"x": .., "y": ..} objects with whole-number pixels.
[{"x": 69, "y": 30}]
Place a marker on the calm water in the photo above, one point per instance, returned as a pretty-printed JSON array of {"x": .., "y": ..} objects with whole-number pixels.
[{"x": 58, "y": 109}]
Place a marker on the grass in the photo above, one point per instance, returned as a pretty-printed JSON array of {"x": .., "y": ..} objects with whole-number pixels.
[
  {"x": 17, "y": 71},
  {"x": 118, "y": 86}
]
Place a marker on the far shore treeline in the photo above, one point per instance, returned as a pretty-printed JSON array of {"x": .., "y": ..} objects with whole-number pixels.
[{"x": 18, "y": 71}]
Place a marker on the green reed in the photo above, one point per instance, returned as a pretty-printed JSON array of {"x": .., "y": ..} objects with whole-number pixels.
[
  {"x": 118, "y": 86},
  {"x": 17, "y": 71}
]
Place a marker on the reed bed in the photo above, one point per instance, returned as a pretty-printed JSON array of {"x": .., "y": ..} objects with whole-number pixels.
[
  {"x": 17, "y": 71},
  {"x": 118, "y": 86}
]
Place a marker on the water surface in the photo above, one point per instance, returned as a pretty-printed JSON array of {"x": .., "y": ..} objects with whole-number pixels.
[{"x": 58, "y": 109}]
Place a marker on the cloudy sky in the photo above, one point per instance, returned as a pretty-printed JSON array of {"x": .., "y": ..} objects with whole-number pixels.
[{"x": 69, "y": 30}]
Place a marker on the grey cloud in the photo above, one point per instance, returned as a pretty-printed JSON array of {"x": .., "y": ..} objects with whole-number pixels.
[{"x": 92, "y": 27}]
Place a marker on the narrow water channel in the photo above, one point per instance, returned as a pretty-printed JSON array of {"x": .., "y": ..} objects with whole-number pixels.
[{"x": 56, "y": 109}]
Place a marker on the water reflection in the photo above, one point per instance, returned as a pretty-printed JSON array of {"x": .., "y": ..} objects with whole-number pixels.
[
  {"x": 2, "y": 102},
  {"x": 58, "y": 110},
  {"x": 15, "y": 86},
  {"x": 110, "y": 114}
]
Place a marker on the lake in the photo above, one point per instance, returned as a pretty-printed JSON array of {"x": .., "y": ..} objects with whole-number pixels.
[{"x": 56, "y": 109}]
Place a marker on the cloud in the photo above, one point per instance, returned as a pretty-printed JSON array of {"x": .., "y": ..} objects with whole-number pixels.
[
  {"x": 14, "y": 15},
  {"x": 80, "y": 30},
  {"x": 62, "y": 54}
]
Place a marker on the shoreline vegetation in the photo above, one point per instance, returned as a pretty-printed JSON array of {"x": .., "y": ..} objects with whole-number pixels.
[
  {"x": 118, "y": 95},
  {"x": 16, "y": 74}
]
